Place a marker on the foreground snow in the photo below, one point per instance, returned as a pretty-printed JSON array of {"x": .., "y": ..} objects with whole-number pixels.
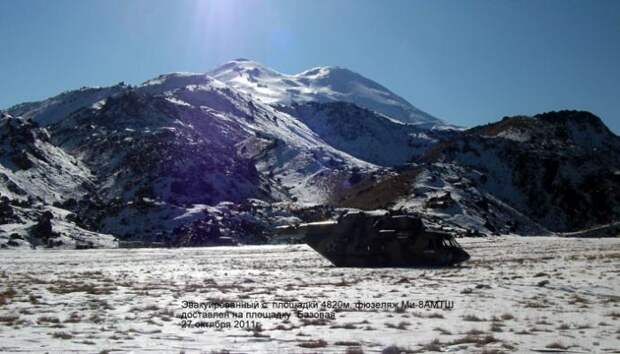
[{"x": 515, "y": 295}]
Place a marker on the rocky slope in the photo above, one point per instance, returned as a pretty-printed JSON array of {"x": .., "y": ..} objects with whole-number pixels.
[
  {"x": 560, "y": 168},
  {"x": 182, "y": 151},
  {"x": 554, "y": 172},
  {"x": 366, "y": 134},
  {"x": 35, "y": 177}
]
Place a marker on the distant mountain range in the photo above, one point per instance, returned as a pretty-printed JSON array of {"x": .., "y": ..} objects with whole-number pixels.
[{"x": 197, "y": 159}]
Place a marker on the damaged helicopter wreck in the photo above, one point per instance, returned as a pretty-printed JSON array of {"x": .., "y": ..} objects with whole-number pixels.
[{"x": 377, "y": 239}]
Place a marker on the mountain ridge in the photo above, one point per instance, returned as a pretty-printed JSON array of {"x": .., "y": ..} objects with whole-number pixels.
[
  {"x": 551, "y": 173},
  {"x": 189, "y": 159}
]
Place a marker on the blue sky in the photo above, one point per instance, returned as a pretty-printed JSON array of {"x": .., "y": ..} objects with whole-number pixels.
[{"x": 467, "y": 62}]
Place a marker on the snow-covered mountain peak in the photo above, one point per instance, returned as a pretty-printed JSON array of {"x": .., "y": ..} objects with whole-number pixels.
[
  {"x": 320, "y": 84},
  {"x": 244, "y": 69}
]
